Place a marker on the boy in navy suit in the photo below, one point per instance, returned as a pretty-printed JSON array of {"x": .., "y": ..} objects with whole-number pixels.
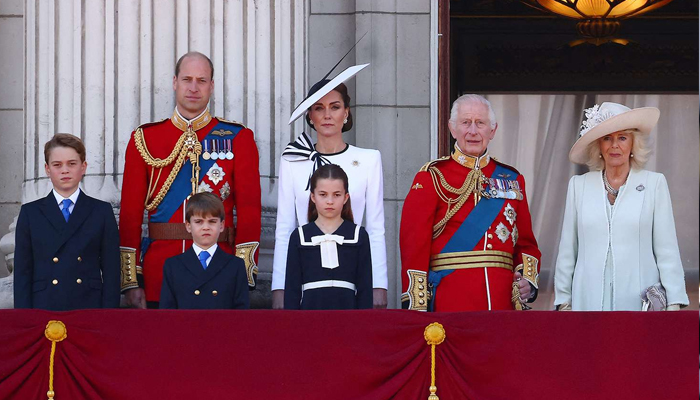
[
  {"x": 67, "y": 244},
  {"x": 204, "y": 276}
]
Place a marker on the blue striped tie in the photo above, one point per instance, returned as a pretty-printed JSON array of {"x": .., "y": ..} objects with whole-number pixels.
[
  {"x": 66, "y": 213},
  {"x": 203, "y": 257}
]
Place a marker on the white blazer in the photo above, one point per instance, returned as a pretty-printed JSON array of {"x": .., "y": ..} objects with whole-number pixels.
[
  {"x": 366, "y": 187},
  {"x": 644, "y": 245}
]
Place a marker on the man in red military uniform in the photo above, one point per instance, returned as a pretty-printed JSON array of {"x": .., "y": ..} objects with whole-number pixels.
[
  {"x": 466, "y": 235},
  {"x": 168, "y": 161}
]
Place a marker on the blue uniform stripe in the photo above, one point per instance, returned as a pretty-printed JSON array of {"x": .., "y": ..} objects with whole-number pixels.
[{"x": 182, "y": 186}]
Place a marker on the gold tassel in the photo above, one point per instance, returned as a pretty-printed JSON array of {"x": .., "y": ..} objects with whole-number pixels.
[
  {"x": 55, "y": 331},
  {"x": 434, "y": 334}
]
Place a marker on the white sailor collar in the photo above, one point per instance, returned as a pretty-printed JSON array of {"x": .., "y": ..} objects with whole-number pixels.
[{"x": 348, "y": 231}]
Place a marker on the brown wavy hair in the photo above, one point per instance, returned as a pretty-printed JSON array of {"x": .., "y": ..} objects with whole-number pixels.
[
  {"x": 343, "y": 90},
  {"x": 330, "y": 171},
  {"x": 205, "y": 204},
  {"x": 64, "y": 140}
]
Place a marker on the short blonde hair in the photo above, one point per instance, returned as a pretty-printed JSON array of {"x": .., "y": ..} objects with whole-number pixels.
[{"x": 640, "y": 150}]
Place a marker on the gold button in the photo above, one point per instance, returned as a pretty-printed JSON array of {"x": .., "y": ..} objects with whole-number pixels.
[
  {"x": 490, "y": 236},
  {"x": 421, "y": 287},
  {"x": 79, "y": 281},
  {"x": 421, "y": 294},
  {"x": 489, "y": 246},
  {"x": 196, "y": 292},
  {"x": 128, "y": 262},
  {"x": 214, "y": 292},
  {"x": 421, "y": 301},
  {"x": 55, "y": 259},
  {"x": 420, "y": 280},
  {"x": 128, "y": 256},
  {"x": 55, "y": 281},
  {"x": 80, "y": 259}
]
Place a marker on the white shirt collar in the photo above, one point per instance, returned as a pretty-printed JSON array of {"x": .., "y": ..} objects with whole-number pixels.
[
  {"x": 210, "y": 250},
  {"x": 73, "y": 197},
  {"x": 189, "y": 121}
]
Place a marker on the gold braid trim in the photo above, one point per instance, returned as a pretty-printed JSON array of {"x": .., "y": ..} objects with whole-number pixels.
[
  {"x": 180, "y": 152},
  {"x": 146, "y": 155},
  {"x": 472, "y": 184}
]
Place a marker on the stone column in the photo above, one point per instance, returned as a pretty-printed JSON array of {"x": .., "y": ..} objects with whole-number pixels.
[{"x": 11, "y": 119}]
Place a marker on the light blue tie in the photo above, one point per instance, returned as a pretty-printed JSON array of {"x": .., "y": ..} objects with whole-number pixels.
[
  {"x": 65, "y": 211},
  {"x": 203, "y": 257}
]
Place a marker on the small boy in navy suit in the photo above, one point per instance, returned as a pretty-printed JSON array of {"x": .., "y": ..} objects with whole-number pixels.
[
  {"x": 66, "y": 244},
  {"x": 204, "y": 276}
]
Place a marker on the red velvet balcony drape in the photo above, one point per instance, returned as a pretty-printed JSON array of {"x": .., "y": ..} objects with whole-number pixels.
[{"x": 150, "y": 354}]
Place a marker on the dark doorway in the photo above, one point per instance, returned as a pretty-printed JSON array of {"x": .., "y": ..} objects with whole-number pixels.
[{"x": 505, "y": 46}]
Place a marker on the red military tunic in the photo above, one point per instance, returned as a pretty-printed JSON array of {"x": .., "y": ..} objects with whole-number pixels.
[
  {"x": 476, "y": 259},
  {"x": 151, "y": 155}
]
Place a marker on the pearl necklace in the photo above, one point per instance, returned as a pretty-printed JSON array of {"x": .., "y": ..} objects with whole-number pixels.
[{"x": 608, "y": 187}]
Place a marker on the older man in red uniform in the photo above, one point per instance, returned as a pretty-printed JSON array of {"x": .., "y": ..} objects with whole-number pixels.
[
  {"x": 168, "y": 161},
  {"x": 466, "y": 234}
]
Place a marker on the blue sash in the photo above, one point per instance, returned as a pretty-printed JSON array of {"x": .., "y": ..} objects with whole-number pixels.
[
  {"x": 472, "y": 230},
  {"x": 478, "y": 220},
  {"x": 182, "y": 186}
]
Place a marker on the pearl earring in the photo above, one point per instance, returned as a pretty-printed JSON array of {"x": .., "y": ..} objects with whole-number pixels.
[
  {"x": 631, "y": 155},
  {"x": 345, "y": 121},
  {"x": 600, "y": 156}
]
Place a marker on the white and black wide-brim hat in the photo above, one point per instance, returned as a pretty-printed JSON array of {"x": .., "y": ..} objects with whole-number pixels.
[
  {"x": 322, "y": 88},
  {"x": 609, "y": 118}
]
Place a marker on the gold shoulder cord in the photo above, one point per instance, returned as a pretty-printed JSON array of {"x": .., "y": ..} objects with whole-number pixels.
[
  {"x": 474, "y": 177},
  {"x": 186, "y": 146}
]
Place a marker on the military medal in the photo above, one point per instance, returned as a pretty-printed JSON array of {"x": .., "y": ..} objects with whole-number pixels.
[
  {"x": 216, "y": 174},
  {"x": 229, "y": 153},
  {"x": 222, "y": 153},
  {"x": 206, "y": 154},
  {"x": 225, "y": 191},
  {"x": 214, "y": 154}
]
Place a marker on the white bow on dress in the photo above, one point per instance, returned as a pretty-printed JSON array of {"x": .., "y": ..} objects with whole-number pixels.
[{"x": 329, "y": 249}]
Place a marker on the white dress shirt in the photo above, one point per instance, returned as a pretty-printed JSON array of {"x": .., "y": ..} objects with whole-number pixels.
[
  {"x": 210, "y": 250},
  {"x": 73, "y": 198}
]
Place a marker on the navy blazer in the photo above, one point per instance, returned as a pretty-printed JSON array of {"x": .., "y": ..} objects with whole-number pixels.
[
  {"x": 70, "y": 265},
  {"x": 223, "y": 285}
]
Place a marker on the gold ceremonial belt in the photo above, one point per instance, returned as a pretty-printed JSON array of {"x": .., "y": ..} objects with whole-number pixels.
[{"x": 471, "y": 259}]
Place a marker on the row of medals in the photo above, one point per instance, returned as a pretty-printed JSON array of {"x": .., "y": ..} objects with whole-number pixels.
[{"x": 220, "y": 149}]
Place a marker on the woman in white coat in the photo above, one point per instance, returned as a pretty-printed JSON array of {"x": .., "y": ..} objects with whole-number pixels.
[
  {"x": 329, "y": 115},
  {"x": 618, "y": 241}
]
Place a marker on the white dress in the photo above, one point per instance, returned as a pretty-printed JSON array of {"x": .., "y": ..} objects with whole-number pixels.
[{"x": 366, "y": 187}]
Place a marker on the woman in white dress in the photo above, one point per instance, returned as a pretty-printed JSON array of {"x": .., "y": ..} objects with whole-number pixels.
[
  {"x": 330, "y": 116},
  {"x": 618, "y": 248}
]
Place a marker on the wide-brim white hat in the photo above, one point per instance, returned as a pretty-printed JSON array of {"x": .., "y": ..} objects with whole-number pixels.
[
  {"x": 609, "y": 118},
  {"x": 316, "y": 93}
]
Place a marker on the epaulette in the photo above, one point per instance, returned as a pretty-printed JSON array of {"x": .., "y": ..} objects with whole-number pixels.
[
  {"x": 230, "y": 122},
  {"x": 433, "y": 162},
  {"x": 506, "y": 166},
  {"x": 152, "y": 123}
]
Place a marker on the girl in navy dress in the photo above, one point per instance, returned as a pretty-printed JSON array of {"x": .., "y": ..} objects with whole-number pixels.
[{"x": 329, "y": 265}]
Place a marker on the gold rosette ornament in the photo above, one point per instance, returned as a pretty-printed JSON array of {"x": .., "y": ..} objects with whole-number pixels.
[
  {"x": 434, "y": 334},
  {"x": 55, "y": 331}
]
